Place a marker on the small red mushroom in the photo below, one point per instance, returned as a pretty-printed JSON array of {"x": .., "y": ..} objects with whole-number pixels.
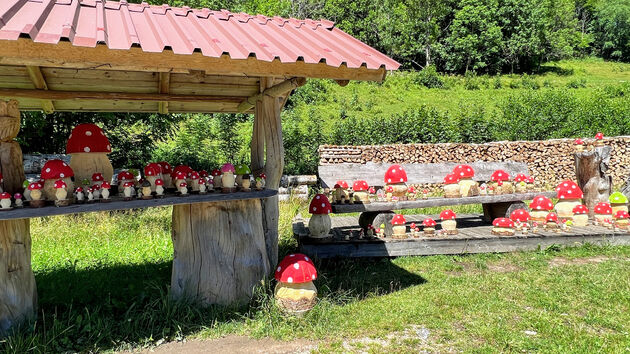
[
  {"x": 429, "y": 222},
  {"x": 569, "y": 190},
  {"x": 603, "y": 208},
  {"x": 622, "y": 214},
  {"x": 125, "y": 175},
  {"x": 447, "y": 214},
  {"x": 341, "y": 184},
  {"x": 520, "y": 178},
  {"x": 395, "y": 174},
  {"x": 552, "y": 217},
  {"x": 360, "y": 186},
  {"x": 541, "y": 203},
  {"x": 159, "y": 182},
  {"x": 599, "y": 136},
  {"x": 60, "y": 184},
  {"x": 520, "y": 215},
  {"x": 579, "y": 141},
  {"x": 503, "y": 222},
  {"x": 97, "y": 177},
  {"x": 580, "y": 209},
  {"x": 398, "y": 219},
  {"x": 464, "y": 171}
]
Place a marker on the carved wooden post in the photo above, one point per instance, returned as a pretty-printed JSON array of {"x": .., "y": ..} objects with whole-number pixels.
[
  {"x": 591, "y": 169},
  {"x": 18, "y": 294}
]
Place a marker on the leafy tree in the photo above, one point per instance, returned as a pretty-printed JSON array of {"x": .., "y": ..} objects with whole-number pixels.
[{"x": 613, "y": 29}]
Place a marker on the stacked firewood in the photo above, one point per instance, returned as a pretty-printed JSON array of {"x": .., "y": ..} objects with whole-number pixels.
[{"x": 549, "y": 161}]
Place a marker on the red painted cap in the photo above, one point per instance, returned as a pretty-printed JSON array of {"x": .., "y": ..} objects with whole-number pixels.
[
  {"x": 296, "y": 268},
  {"x": 88, "y": 138},
  {"x": 395, "y": 174},
  {"x": 320, "y": 205}
]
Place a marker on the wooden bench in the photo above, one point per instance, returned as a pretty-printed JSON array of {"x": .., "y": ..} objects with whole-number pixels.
[{"x": 377, "y": 213}]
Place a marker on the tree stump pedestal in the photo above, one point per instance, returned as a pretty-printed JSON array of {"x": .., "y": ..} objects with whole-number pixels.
[{"x": 591, "y": 169}]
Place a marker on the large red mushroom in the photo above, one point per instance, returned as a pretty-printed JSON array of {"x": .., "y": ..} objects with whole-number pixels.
[
  {"x": 396, "y": 177},
  {"x": 467, "y": 187},
  {"x": 88, "y": 148},
  {"x": 449, "y": 222},
  {"x": 540, "y": 206},
  {"x": 503, "y": 227},
  {"x": 319, "y": 225},
  {"x": 295, "y": 291},
  {"x": 52, "y": 171},
  {"x": 500, "y": 180},
  {"x": 399, "y": 229},
  {"x": 569, "y": 196},
  {"x": 360, "y": 192},
  {"x": 580, "y": 215}
]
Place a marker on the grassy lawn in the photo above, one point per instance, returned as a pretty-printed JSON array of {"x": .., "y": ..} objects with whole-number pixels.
[{"x": 103, "y": 285}]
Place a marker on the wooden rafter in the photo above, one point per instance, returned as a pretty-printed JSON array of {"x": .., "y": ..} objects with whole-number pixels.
[
  {"x": 273, "y": 91},
  {"x": 36, "y": 76},
  {"x": 164, "y": 87},
  {"x": 122, "y": 96}
]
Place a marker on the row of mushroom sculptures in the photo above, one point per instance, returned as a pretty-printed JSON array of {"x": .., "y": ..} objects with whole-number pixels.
[{"x": 89, "y": 177}]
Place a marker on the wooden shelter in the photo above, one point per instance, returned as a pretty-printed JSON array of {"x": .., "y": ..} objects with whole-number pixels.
[{"x": 92, "y": 55}]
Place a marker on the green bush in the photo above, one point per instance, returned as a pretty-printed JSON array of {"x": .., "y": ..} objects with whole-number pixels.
[
  {"x": 577, "y": 83},
  {"x": 430, "y": 78}
]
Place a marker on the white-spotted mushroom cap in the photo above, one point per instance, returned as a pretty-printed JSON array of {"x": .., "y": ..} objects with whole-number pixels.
[
  {"x": 204, "y": 174},
  {"x": 79, "y": 190},
  {"x": 125, "y": 175},
  {"x": 186, "y": 170},
  {"x": 520, "y": 215},
  {"x": 55, "y": 169},
  {"x": 34, "y": 186},
  {"x": 580, "y": 209},
  {"x": 541, "y": 203},
  {"x": 165, "y": 167},
  {"x": 520, "y": 178},
  {"x": 320, "y": 205},
  {"x": 464, "y": 171},
  {"x": 88, "y": 138},
  {"x": 451, "y": 178},
  {"x": 500, "y": 176},
  {"x": 411, "y": 190},
  {"x": 447, "y": 214},
  {"x": 216, "y": 172},
  {"x": 96, "y": 187},
  {"x": 153, "y": 169},
  {"x": 599, "y": 136},
  {"x": 398, "y": 219},
  {"x": 603, "y": 208},
  {"x": 227, "y": 168},
  {"x": 360, "y": 186},
  {"x": 5, "y": 195},
  {"x": 503, "y": 222},
  {"x": 97, "y": 177},
  {"x": 530, "y": 180},
  {"x": 341, "y": 184},
  {"x": 183, "y": 185},
  {"x": 552, "y": 217},
  {"x": 395, "y": 174},
  {"x": 194, "y": 175},
  {"x": 568, "y": 190},
  {"x": 180, "y": 175},
  {"x": 60, "y": 184},
  {"x": 618, "y": 198},
  {"x": 429, "y": 222},
  {"x": 128, "y": 184},
  {"x": 159, "y": 182},
  {"x": 579, "y": 141},
  {"x": 622, "y": 214},
  {"x": 106, "y": 185},
  {"x": 296, "y": 268}
]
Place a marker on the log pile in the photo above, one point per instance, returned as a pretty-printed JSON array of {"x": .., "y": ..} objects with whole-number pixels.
[{"x": 549, "y": 161}]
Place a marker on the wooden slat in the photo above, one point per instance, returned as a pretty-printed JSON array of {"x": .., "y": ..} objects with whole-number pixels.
[
  {"x": 433, "y": 202},
  {"x": 99, "y": 74},
  {"x": 373, "y": 173},
  {"x": 164, "y": 84},
  {"x": 213, "y": 89},
  {"x": 39, "y": 82},
  {"x": 118, "y": 204}
]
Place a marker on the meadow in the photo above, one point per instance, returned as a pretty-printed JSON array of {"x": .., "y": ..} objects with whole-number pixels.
[{"x": 103, "y": 286}]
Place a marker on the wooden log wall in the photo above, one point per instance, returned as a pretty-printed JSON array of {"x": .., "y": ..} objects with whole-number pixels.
[{"x": 550, "y": 161}]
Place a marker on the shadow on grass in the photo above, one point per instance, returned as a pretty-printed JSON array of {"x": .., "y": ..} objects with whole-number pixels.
[{"x": 556, "y": 70}]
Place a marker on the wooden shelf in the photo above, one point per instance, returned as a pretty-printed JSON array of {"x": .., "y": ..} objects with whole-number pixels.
[
  {"x": 118, "y": 203},
  {"x": 438, "y": 201}
]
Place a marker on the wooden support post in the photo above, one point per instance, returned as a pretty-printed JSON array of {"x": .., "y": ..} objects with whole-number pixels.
[
  {"x": 18, "y": 294},
  {"x": 164, "y": 84},
  {"x": 220, "y": 251},
  {"x": 258, "y": 134},
  {"x": 591, "y": 169},
  {"x": 38, "y": 80}
]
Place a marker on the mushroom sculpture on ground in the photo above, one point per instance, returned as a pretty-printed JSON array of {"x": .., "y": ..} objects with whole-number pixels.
[
  {"x": 621, "y": 219},
  {"x": 52, "y": 171},
  {"x": 399, "y": 230},
  {"x": 242, "y": 176},
  {"x": 520, "y": 183},
  {"x": 105, "y": 192},
  {"x": 79, "y": 195},
  {"x": 360, "y": 189},
  {"x": 36, "y": 195},
  {"x": 5, "y": 201},
  {"x": 449, "y": 224},
  {"x": 501, "y": 182},
  {"x": 61, "y": 193},
  {"x": 521, "y": 218},
  {"x": 428, "y": 226},
  {"x": 451, "y": 186},
  {"x": 467, "y": 187},
  {"x": 124, "y": 177},
  {"x": 551, "y": 221},
  {"x": 603, "y": 213},
  {"x": 227, "y": 178},
  {"x": 88, "y": 147},
  {"x": 503, "y": 227},
  {"x": 166, "y": 169},
  {"x": 152, "y": 172},
  {"x": 19, "y": 203},
  {"x": 341, "y": 192},
  {"x": 618, "y": 201},
  {"x": 396, "y": 177},
  {"x": 569, "y": 196},
  {"x": 540, "y": 206},
  {"x": 579, "y": 145},
  {"x": 580, "y": 215},
  {"x": 319, "y": 225},
  {"x": 295, "y": 292},
  {"x": 599, "y": 139}
]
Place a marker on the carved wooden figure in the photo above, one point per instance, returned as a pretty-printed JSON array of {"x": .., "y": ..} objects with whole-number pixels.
[{"x": 591, "y": 169}]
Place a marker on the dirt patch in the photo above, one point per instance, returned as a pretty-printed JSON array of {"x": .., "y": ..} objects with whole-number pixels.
[
  {"x": 561, "y": 261},
  {"x": 235, "y": 345},
  {"x": 503, "y": 267}
]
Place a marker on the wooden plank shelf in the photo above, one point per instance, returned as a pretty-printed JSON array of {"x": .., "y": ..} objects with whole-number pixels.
[
  {"x": 437, "y": 201},
  {"x": 474, "y": 237},
  {"x": 117, "y": 203}
]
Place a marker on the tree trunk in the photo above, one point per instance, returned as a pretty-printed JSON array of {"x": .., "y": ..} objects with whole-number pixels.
[
  {"x": 591, "y": 169},
  {"x": 220, "y": 252},
  {"x": 18, "y": 294}
]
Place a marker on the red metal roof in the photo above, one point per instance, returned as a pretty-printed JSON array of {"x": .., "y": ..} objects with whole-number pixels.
[{"x": 120, "y": 25}]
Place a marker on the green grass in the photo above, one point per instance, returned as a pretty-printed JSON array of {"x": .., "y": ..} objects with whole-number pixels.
[{"x": 103, "y": 285}]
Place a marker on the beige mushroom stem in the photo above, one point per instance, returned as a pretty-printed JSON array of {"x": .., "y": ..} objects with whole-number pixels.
[
  {"x": 319, "y": 225},
  {"x": 36, "y": 194},
  {"x": 105, "y": 193},
  {"x": 61, "y": 194},
  {"x": 84, "y": 164}
]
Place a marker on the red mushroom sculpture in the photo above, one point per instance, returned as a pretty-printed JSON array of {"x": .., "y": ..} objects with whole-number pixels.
[
  {"x": 36, "y": 195},
  {"x": 521, "y": 218},
  {"x": 129, "y": 190},
  {"x": 467, "y": 187},
  {"x": 580, "y": 215},
  {"x": 88, "y": 148},
  {"x": 599, "y": 139},
  {"x": 228, "y": 178},
  {"x": 5, "y": 201},
  {"x": 428, "y": 226},
  {"x": 540, "y": 206},
  {"x": 530, "y": 183},
  {"x": 152, "y": 172},
  {"x": 621, "y": 219},
  {"x": 399, "y": 229},
  {"x": 61, "y": 193},
  {"x": 449, "y": 224},
  {"x": 503, "y": 227},
  {"x": 603, "y": 213},
  {"x": 167, "y": 169},
  {"x": 216, "y": 178},
  {"x": 569, "y": 196},
  {"x": 159, "y": 187},
  {"x": 319, "y": 225},
  {"x": 124, "y": 177},
  {"x": 396, "y": 177},
  {"x": 520, "y": 182},
  {"x": 451, "y": 186},
  {"x": 52, "y": 171},
  {"x": 551, "y": 221},
  {"x": 500, "y": 180},
  {"x": 295, "y": 292},
  {"x": 579, "y": 145},
  {"x": 340, "y": 195},
  {"x": 360, "y": 192}
]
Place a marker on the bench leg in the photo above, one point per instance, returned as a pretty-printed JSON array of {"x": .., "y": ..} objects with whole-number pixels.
[
  {"x": 18, "y": 294},
  {"x": 492, "y": 211}
]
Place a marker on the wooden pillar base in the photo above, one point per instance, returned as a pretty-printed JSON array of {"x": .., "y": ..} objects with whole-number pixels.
[
  {"x": 220, "y": 252},
  {"x": 18, "y": 294},
  {"x": 591, "y": 169}
]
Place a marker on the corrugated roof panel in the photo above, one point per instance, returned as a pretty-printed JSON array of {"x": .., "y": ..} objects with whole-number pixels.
[{"x": 120, "y": 25}]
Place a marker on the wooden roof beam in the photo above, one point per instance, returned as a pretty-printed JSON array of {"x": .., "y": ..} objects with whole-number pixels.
[
  {"x": 164, "y": 83},
  {"x": 273, "y": 91},
  {"x": 36, "y": 76}
]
